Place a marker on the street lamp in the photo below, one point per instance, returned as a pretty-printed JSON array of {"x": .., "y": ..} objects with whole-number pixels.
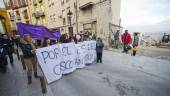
[
  {"x": 70, "y": 28},
  {"x": 69, "y": 15},
  {"x": 2, "y": 19}
]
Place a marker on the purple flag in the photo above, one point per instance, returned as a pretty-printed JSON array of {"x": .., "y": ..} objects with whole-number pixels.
[
  {"x": 37, "y": 32},
  {"x": 57, "y": 32}
]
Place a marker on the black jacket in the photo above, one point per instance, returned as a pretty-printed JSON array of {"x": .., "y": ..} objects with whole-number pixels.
[
  {"x": 99, "y": 47},
  {"x": 26, "y": 49},
  {"x": 8, "y": 45}
]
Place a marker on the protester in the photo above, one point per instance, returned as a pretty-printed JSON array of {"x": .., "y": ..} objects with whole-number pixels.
[
  {"x": 135, "y": 43},
  {"x": 16, "y": 40},
  {"x": 81, "y": 37},
  {"x": 94, "y": 37},
  {"x": 71, "y": 38},
  {"x": 34, "y": 42},
  {"x": 78, "y": 38},
  {"x": 28, "y": 50},
  {"x": 126, "y": 40},
  {"x": 46, "y": 42},
  {"x": 75, "y": 39},
  {"x": 116, "y": 39},
  {"x": 99, "y": 49},
  {"x": 8, "y": 43},
  {"x": 3, "y": 57},
  {"x": 64, "y": 38},
  {"x": 39, "y": 43},
  {"x": 53, "y": 42}
]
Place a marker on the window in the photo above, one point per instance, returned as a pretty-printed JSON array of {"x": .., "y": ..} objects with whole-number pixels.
[
  {"x": 23, "y": 2},
  {"x": 27, "y": 22},
  {"x": 26, "y": 14},
  {"x": 14, "y": 2}
]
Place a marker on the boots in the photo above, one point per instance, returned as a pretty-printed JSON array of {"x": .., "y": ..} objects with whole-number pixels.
[
  {"x": 35, "y": 75},
  {"x": 29, "y": 79}
]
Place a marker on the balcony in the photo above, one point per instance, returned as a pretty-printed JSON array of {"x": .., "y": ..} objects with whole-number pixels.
[
  {"x": 12, "y": 18},
  {"x": 87, "y": 5},
  {"x": 38, "y": 14},
  {"x": 41, "y": 13},
  {"x": 18, "y": 18},
  {"x": 14, "y": 7}
]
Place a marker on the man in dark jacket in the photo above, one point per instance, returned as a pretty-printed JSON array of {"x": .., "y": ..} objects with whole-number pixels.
[
  {"x": 28, "y": 50},
  {"x": 8, "y": 43},
  {"x": 99, "y": 50}
]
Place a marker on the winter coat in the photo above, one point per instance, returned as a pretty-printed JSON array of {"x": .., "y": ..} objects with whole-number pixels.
[
  {"x": 26, "y": 49},
  {"x": 135, "y": 41},
  {"x": 8, "y": 45},
  {"x": 99, "y": 47},
  {"x": 126, "y": 38}
]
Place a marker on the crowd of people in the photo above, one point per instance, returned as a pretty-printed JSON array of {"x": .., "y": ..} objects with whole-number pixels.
[
  {"x": 127, "y": 41},
  {"x": 9, "y": 44}
]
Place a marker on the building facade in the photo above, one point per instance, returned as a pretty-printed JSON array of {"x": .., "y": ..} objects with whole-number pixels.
[
  {"x": 95, "y": 16},
  {"x": 4, "y": 21},
  {"x": 37, "y": 12},
  {"x": 17, "y": 12}
]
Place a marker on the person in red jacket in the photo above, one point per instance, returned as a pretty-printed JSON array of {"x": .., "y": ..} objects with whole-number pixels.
[{"x": 126, "y": 40}]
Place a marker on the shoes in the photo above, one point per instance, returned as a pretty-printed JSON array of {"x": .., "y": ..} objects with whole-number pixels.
[{"x": 36, "y": 75}]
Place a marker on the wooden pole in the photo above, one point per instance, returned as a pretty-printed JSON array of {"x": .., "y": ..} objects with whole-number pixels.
[{"x": 43, "y": 85}]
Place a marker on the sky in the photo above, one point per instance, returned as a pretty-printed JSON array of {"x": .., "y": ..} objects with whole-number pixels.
[
  {"x": 1, "y": 4},
  {"x": 146, "y": 15},
  {"x": 143, "y": 15}
]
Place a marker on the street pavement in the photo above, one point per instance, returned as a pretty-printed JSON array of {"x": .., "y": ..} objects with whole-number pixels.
[{"x": 119, "y": 75}]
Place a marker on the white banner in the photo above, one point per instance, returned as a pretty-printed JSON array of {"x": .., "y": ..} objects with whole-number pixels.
[{"x": 65, "y": 58}]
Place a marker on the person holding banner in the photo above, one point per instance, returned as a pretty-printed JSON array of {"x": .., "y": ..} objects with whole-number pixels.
[
  {"x": 99, "y": 49},
  {"x": 46, "y": 42},
  {"x": 28, "y": 50}
]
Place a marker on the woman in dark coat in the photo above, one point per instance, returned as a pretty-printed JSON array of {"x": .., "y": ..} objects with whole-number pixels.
[{"x": 99, "y": 50}]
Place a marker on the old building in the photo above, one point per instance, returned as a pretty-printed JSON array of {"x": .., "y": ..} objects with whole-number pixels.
[
  {"x": 17, "y": 12},
  {"x": 4, "y": 21},
  {"x": 36, "y": 10},
  {"x": 99, "y": 17}
]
